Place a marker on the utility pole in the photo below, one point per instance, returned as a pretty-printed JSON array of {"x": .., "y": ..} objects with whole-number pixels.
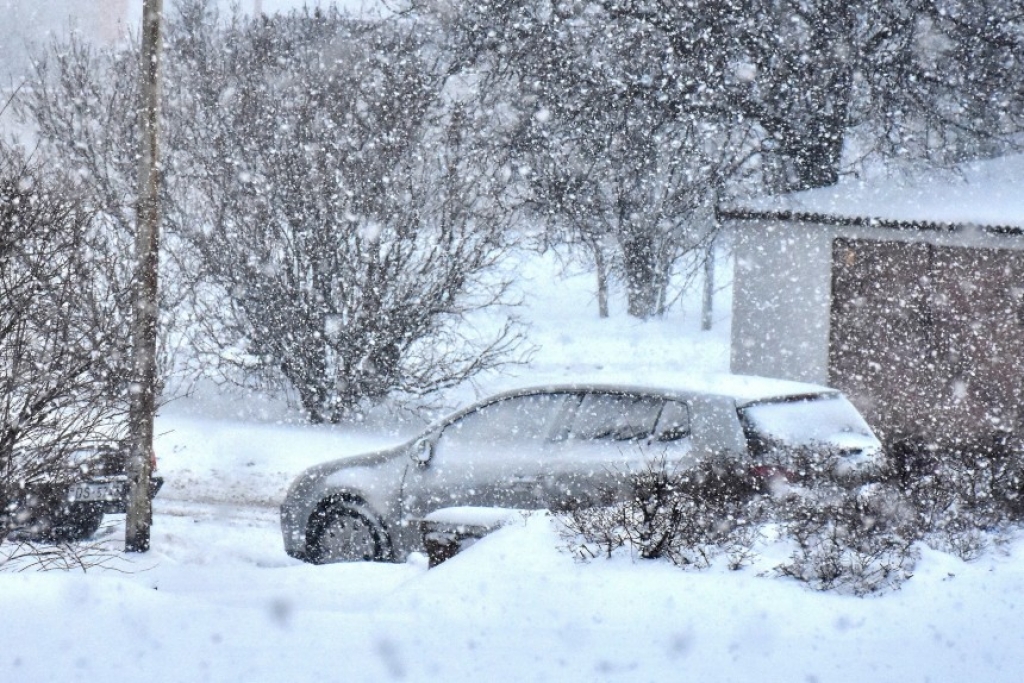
[{"x": 143, "y": 387}]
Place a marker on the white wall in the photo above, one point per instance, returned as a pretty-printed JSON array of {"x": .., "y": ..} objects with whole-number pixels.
[{"x": 781, "y": 290}]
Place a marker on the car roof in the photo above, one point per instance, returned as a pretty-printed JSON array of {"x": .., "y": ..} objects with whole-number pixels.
[{"x": 742, "y": 389}]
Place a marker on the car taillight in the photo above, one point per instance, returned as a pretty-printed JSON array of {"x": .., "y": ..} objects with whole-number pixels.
[{"x": 770, "y": 473}]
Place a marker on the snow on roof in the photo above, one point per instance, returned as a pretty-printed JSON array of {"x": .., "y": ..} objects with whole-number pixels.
[{"x": 982, "y": 193}]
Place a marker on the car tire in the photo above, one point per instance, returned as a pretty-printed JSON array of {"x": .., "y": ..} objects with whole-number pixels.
[{"x": 344, "y": 531}]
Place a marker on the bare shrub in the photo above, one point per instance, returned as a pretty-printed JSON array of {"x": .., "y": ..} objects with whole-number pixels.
[
  {"x": 63, "y": 354},
  {"x": 852, "y": 541},
  {"x": 24, "y": 556},
  {"x": 348, "y": 211},
  {"x": 850, "y": 537},
  {"x": 964, "y": 498},
  {"x": 336, "y": 217},
  {"x": 688, "y": 517}
]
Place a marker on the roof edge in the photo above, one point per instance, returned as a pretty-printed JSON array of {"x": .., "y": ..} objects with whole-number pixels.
[{"x": 858, "y": 221}]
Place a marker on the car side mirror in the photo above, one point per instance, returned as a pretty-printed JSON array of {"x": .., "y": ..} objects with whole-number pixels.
[{"x": 423, "y": 452}]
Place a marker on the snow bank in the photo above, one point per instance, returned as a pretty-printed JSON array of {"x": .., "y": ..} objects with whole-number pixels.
[{"x": 515, "y": 608}]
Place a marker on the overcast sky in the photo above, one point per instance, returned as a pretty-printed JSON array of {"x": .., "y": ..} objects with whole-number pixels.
[{"x": 25, "y": 22}]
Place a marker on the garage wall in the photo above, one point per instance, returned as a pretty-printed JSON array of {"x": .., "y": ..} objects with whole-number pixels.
[
  {"x": 927, "y": 339},
  {"x": 881, "y": 346}
]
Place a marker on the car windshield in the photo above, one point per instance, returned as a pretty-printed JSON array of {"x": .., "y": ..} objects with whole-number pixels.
[{"x": 805, "y": 420}]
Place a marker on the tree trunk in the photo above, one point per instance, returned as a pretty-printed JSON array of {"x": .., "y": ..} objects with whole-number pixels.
[
  {"x": 305, "y": 368},
  {"x": 815, "y": 152},
  {"x": 809, "y": 148},
  {"x": 707, "y": 307},
  {"x": 641, "y": 268},
  {"x": 808, "y": 122},
  {"x": 602, "y": 279}
]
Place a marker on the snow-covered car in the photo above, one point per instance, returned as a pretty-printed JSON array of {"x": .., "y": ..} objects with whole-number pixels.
[
  {"x": 561, "y": 446},
  {"x": 67, "y": 503}
]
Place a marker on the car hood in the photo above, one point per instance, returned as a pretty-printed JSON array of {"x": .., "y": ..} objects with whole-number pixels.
[{"x": 359, "y": 460}]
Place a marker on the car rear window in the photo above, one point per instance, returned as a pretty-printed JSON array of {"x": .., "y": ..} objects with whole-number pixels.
[{"x": 802, "y": 421}]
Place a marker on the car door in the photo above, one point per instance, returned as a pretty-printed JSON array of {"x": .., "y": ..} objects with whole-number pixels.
[
  {"x": 611, "y": 435},
  {"x": 488, "y": 457}
]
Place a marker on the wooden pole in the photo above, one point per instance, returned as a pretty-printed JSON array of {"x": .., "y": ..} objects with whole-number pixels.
[{"x": 143, "y": 388}]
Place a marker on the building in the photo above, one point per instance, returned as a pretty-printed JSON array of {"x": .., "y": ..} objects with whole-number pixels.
[{"x": 908, "y": 297}]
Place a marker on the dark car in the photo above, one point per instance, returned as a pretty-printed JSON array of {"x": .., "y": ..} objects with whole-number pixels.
[
  {"x": 67, "y": 503},
  {"x": 563, "y": 446}
]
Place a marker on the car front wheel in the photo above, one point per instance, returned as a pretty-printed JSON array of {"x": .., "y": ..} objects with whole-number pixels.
[{"x": 346, "y": 532}]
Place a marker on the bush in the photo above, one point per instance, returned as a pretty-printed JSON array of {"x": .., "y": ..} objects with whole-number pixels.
[
  {"x": 963, "y": 498},
  {"x": 687, "y": 517},
  {"x": 64, "y": 353},
  {"x": 850, "y": 536},
  {"x": 857, "y": 540},
  {"x": 851, "y": 540},
  {"x": 336, "y": 217}
]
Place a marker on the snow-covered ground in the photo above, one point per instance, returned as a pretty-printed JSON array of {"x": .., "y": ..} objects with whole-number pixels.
[{"x": 217, "y": 599}]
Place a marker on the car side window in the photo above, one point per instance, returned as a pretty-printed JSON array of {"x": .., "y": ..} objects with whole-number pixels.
[
  {"x": 617, "y": 417},
  {"x": 511, "y": 420},
  {"x": 674, "y": 422}
]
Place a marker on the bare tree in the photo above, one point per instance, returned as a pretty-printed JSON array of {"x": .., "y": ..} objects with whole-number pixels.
[
  {"x": 939, "y": 80},
  {"x": 908, "y": 78},
  {"x": 639, "y": 206},
  {"x": 82, "y": 102},
  {"x": 350, "y": 212},
  {"x": 63, "y": 356},
  {"x": 612, "y": 163},
  {"x": 638, "y": 115},
  {"x": 332, "y": 212}
]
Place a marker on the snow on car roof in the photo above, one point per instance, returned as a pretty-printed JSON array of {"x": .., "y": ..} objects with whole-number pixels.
[{"x": 742, "y": 388}]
